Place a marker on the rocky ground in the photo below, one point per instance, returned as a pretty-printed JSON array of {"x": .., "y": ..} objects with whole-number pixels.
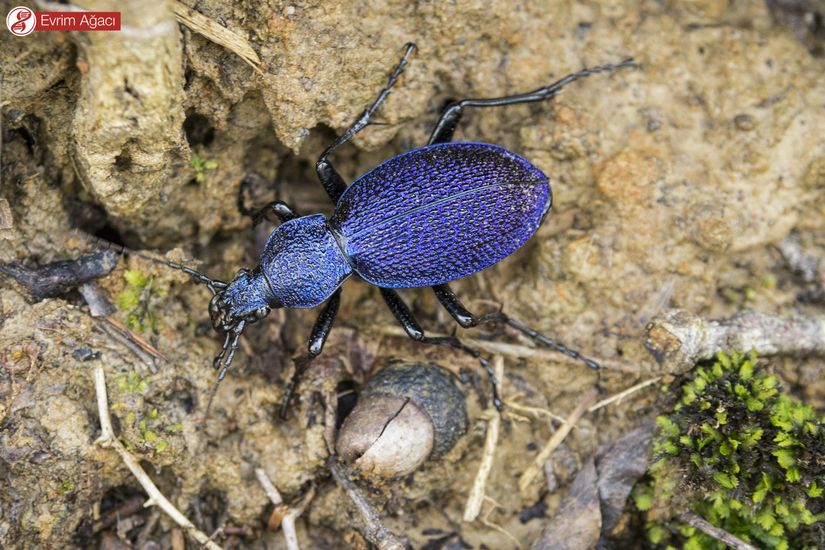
[{"x": 673, "y": 184}]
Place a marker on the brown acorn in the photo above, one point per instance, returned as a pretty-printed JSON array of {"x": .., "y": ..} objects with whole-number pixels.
[{"x": 407, "y": 413}]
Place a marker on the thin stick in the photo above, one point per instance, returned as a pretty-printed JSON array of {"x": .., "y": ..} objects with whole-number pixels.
[
  {"x": 537, "y": 465},
  {"x": 288, "y": 523},
  {"x": 108, "y": 440},
  {"x": 375, "y": 532},
  {"x": 218, "y": 34},
  {"x": 269, "y": 488},
  {"x": 622, "y": 394},
  {"x": 476, "y": 497},
  {"x": 711, "y": 530},
  {"x": 113, "y": 333},
  {"x": 518, "y": 350},
  {"x": 487, "y": 523},
  {"x": 535, "y": 411},
  {"x": 288, "y": 515},
  {"x": 136, "y": 338}
]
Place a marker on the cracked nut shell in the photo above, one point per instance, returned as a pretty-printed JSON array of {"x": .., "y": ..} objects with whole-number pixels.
[{"x": 406, "y": 414}]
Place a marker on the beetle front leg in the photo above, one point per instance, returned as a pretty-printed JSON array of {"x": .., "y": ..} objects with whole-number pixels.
[
  {"x": 320, "y": 332},
  {"x": 332, "y": 182},
  {"x": 404, "y": 316},
  {"x": 466, "y": 319},
  {"x": 281, "y": 209}
]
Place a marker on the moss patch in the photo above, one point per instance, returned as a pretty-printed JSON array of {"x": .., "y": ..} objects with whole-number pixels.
[{"x": 743, "y": 455}]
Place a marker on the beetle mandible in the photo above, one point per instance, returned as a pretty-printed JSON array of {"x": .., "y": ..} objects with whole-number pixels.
[{"x": 423, "y": 218}]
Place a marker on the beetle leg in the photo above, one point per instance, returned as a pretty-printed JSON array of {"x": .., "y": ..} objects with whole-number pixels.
[
  {"x": 454, "y": 306},
  {"x": 451, "y": 116},
  {"x": 230, "y": 345},
  {"x": 233, "y": 347},
  {"x": 466, "y": 319},
  {"x": 404, "y": 316},
  {"x": 216, "y": 363},
  {"x": 332, "y": 182},
  {"x": 279, "y": 208},
  {"x": 320, "y": 331}
]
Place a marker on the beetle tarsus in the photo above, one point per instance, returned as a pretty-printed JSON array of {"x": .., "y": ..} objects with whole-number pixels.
[
  {"x": 454, "y": 307},
  {"x": 451, "y": 116}
]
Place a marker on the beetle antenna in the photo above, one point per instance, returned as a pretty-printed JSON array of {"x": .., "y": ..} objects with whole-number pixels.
[{"x": 213, "y": 284}]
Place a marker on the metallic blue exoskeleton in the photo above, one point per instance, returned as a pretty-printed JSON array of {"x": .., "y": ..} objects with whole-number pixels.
[{"x": 423, "y": 218}]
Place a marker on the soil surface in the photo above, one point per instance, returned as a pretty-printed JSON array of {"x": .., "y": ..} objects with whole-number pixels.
[{"x": 673, "y": 185}]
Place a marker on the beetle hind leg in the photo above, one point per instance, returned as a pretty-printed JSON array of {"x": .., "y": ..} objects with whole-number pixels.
[
  {"x": 451, "y": 116},
  {"x": 463, "y": 317},
  {"x": 404, "y": 316}
]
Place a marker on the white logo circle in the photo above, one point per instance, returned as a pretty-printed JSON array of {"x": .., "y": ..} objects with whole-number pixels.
[{"x": 21, "y": 21}]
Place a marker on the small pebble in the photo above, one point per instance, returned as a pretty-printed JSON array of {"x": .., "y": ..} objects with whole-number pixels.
[
  {"x": 744, "y": 122},
  {"x": 85, "y": 354}
]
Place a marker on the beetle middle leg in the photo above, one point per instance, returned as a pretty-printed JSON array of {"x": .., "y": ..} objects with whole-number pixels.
[
  {"x": 450, "y": 117},
  {"x": 463, "y": 317},
  {"x": 320, "y": 331},
  {"x": 332, "y": 182},
  {"x": 404, "y": 316}
]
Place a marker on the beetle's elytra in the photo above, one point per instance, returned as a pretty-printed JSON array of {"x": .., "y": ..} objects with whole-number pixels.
[{"x": 423, "y": 218}]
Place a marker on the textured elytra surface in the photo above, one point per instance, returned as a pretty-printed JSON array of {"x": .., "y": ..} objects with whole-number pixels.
[{"x": 439, "y": 213}]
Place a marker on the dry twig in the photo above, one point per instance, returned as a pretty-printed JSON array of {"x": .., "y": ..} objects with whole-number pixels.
[
  {"x": 145, "y": 351},
  {"x": 218, "y": 34},
  {"x": 288, "y": 515},
  {"x": 517, "y": 350},
  {"x": 485, "y": 520},
  {"x": 536, "y": 467},
  {"x": 476, "y": 497},
  {"x": 536, "y": 412},
  {"x": 374, "y": 531},
  {"x": 711, "y": 530},
  {"x": 107, "y": 439},
  {"x": 679, "y": 339},
  {"x": 622, "y": 394}
]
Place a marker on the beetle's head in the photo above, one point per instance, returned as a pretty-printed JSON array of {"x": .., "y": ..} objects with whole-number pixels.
[{"x": 247, "y": 298}]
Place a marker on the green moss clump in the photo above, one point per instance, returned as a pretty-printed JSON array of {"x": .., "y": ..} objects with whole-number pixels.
[
  {"x": 131, "y": 382},
  {"x": 741, "y": 454},
  {"x": 66, "y": 486},
  {"x": 136, "y": 298},
  {"x": 200, "y": 165}
]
